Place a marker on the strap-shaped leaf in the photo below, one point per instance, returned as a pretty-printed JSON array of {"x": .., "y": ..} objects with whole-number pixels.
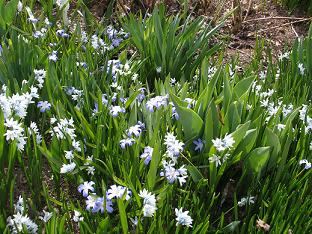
[
  {"x": 243, "y": 86},
  {"x": 191, "y": 122},
  {"x": 257, "y": 160}
]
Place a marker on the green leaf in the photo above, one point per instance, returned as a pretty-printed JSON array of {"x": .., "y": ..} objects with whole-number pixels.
[
  {"x": 152, "y": 173},
  {"x": 191, "y": 122},
  {"x": 206, "y": 96},
  {"x": 247, "y": 142},
  {"x": 227, "y": 93},
  {"x": 212, "y": 124},
  {"x": 232, "y": 118},
  {"x": 271, "y": 139},
  {"x": 195, "y": 173},
  {"x": 243, "y": 86},
  {"x": 240, "y": 132},
  {"x": 231, "y": 227},
  {"x": 257, "y": 160},
  {"x": 9, "y": 11},
  {"x": 123, "y": 216},
  {"x": 103, "y": 226}
]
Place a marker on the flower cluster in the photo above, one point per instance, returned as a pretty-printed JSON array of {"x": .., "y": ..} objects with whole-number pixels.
[
  {"x": 246, "y": 200},
  {"x": 222, "y": 144},
  {"x": 306, "y": 163},
  {"x": 149, "y": 203},
  {"x": 183, "y": 218},
  {"x": 95, "y": 203},
  {"x": 147, "y": 154},
  {"x": 19, "y": 221},
  {"x": 174, "y": 146},
  {"x": 133, "y": 131},
  {"x": 156, "y": 102}
]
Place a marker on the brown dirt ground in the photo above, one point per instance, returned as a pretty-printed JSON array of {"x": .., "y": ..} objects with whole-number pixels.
[{"x": 259, "y": 18}]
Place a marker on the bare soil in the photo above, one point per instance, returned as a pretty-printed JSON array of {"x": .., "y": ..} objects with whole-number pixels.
[{"x": 254, "y": 18}]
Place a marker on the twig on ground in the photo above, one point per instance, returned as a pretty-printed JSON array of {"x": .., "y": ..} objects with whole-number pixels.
[
  {"x": 275, "y": 17},
  {"x": 278, "y": 26},
  {"x": 248, "y": 9},
  {"x": 292, "y": 27},
  {"x": 241, "y": 51}
]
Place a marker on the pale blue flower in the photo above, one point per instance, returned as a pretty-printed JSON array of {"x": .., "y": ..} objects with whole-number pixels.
[
  {"x": 199, "y": 144},
  {"x": 44, "y": 106},
  {"x": 156, "y": 102},
  {"x": 126, "y": 142},
  {"x": 147, "y": 154},
  {"x": 118, "y": 192},
  {"x": 115, "y": 110},
  {"x": 85, "y": 188},
  {"x": 307, "y": 164}
]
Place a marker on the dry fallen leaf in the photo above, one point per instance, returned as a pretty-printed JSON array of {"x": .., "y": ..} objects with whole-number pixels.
[{"x": 263, "y": 225}]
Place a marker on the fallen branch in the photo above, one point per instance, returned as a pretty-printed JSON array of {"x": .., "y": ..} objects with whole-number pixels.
[
  {"x": 249, "y": 7},
  {"x": 275, "y": 17},
  {"x": 278, "y": 26}
]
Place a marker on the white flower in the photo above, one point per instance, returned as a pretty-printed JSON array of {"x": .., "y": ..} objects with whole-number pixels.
[
  {"x": 69, "y": 155},
  {"x": 183, "y": 218},
  {"x": 19, "y": 6},
  {"x": 19, "y": 207},
  {"x": 126, "y": 142},
  {"x": 246, "y": 200},
  {"x": 191, "y": 102},
  {"x": 228, "y": 141},
  {"x": 77, "y": 216},
  {"x": 223, "y": 144},
  {"x": 156, "y": 102},
  {"x": 149, "y": 210},
  {"x": 76, "y": 145},
  {"x": 287, "y": 109},
  {"x": 262, "y": 75},
  {"x": 118, "y": 192},
  {"x": 85, "y": 187},
  {"x": 15, "y": 133},
  {"x": 46, "y": 217},
  {"x": 216, "y": 159},
  {"x": 135, "y": 130},
  {"x": 88, "y": 159},
  {"x": 44, "y": 106},
  {"x": 149, "y": 203},
  {"x": 115, "y": 110},
  {"x": 31, "y": 17},
  {"x": 34, "y": 129},
  {"x": 66, "y": 168},
  {"x": 147, "y": 154},
  {"x": 303, "y": 112},
  {"x": 53, "y": 56},
  {"x": 90, "y": 170},
  {"x": 174, "y": 146},
  {"x": 283, "y": 56},
  {"x": 172, "y": 174},
  {"x": 19, "y": 221},
  {"x": 148, "y": 197},
  {"x": 264, "y": 103},
  {"x": 301, "y": 68},
  {"x": 218, "y": 144},
  {"x": 280, "y": 127},
  {"x": 62, "y": 127},
  {"x": 306, "y": 163}
]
